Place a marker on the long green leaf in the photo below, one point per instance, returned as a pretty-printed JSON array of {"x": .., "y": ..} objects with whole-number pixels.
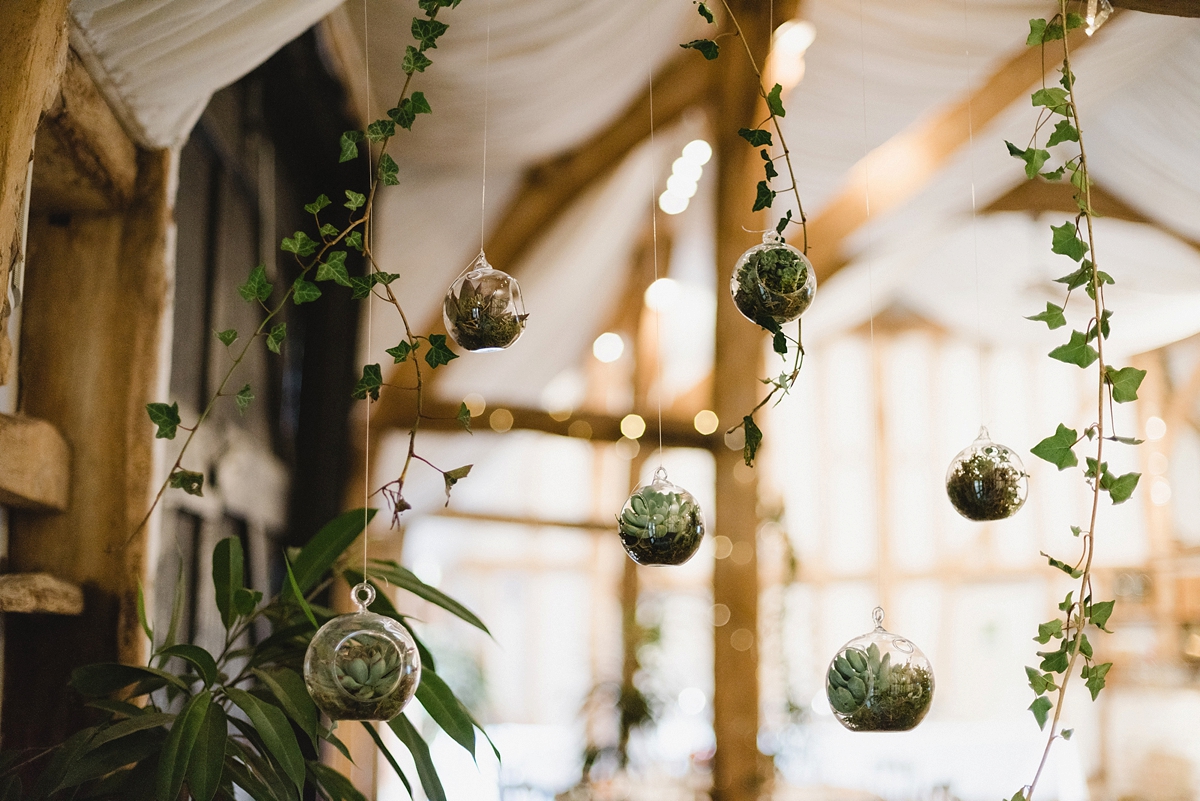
[
  {"x": 446, "y": 710},
  {"x": 336, "y": 786},
  {"x": 177, "y": 750},
  {"x": 405, "y": 579},
  {"x": 259, "y": 768},
  {"x": 317, "y": 557},
  {"x": 207, "y": 764},
  {"x": 387, "y": 754},
  {"x": 298, "y": 594},
  {"x": 228, "y": 577},
  {"x": 411, "y": 738},
  {"x": 276, "y": 733},
  {"x": 244, "y": 777},
  {"x": 141, "y": 613},
  {"x": 289, "y": 689},
  {"x": 150, "y": 720},
  {"x": 110, "y": 756},
  {"x": 101, "y": 679},
  {"x": 205, "y": 665}
]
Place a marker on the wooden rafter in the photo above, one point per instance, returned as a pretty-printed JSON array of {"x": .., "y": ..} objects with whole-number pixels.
[{"x": 1174, "y": 8}]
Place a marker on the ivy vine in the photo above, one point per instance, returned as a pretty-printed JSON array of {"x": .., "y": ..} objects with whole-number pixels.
[
  {"x": 1075, "y": 239},
  {"x": 763, "y": 138}
]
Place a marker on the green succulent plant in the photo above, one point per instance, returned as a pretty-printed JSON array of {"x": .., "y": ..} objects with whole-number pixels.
[
  {"x": 660, "y": 528},
  {"x": 367, "y": 667},
  {"x": 987, "y": 486},
  {"x": 772, "y": 284},
  {"x": 481, "y": 319},
  {"x": 869, "y": 693}
]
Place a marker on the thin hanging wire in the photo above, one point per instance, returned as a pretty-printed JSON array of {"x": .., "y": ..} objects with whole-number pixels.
[
  {"x": 487, "y": 75},
  {"x": 871, "y": 301},
  {"x": 370, "y": 298},
  {"x": 974, "y": 214},
  {"x": 658, "y": 386}
]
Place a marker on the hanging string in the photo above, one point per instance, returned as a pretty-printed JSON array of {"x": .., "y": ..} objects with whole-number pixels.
[
  {"x": 871, "y": 302},
  {"x": 370, "y": 297},
  {"x": 658, "y": 387},
  {"x": 487, "y": 74},
  {"x": 974, "y": 212}
]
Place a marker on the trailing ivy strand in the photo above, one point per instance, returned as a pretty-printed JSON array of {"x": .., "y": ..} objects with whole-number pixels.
[{"x": 1065, "y": 638}]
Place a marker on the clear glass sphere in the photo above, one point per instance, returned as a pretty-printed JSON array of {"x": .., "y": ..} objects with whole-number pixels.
[
  {"x": 986, "y": 481},
  {"x": 661, "y": 523},
  {"x": 879, "y": 682},
  {"x": 362, "y": 666},
  {"x": 483, "y": 310},
  {"x": 772, "y": 282}
]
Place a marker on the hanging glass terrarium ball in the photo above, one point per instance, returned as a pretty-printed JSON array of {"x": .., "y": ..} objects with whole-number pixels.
[
  {"x": 362, "y": 666},
  {"x": 879, "y": 682},
  {"x": 483, "y": 310},
  {"x": 772, "y": 282},
  {"x": 986, "y": 481},
  {"x": 661, "y": 523}
]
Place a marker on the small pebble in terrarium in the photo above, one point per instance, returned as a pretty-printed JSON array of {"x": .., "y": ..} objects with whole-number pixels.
[
  {"x": 362, "y": 666},
  {"x": 483, "y": 309},
  {"x": 986, "y": 481},
  {"x": 661, "y": 523},
  {"x": 773, "y": 283},
  {"x": 879, "y": 682}
]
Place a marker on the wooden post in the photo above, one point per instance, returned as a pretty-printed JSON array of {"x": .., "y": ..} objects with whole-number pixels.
[{"x": 738, "y": 769}]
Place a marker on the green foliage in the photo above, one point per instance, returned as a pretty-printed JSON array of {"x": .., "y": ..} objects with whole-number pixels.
[
  {"x": 764, "y": 198},
  {"x": 256, "y": 287},
  {"x": 1040, "y": 708},
  {"x": 315, "y": 207},
  {"x": 1033, "y": 157},
  {"x": 753, "y": 440},
  {"x": 187, "y": 480},
  {"x": 1077, "y": 351},
  {"x": 1124, "y": 382},
  {"x": 388, "y": 170},
  {"x": 401, "y": 352},
  {"x": 439, "y": 353},
  {"x": 452, "y": 477},
  {"x": 349, "y": 145},
  {"x": 775, "y": 101},
  {"x": 464, "y": 417},
  {"x": 706, "y": 47},
  {"x": 756, "y": 136},
  {"x": 227, "y": 337},
  {"x": 370, "y": 383},
  {"x": 165, "y": 417},
  {"x": 276, "y": 337},
  {"x": 414, "y": 61},
  {"x": 1053, "y": 316},
  {"x": 1058, "y": 448}
]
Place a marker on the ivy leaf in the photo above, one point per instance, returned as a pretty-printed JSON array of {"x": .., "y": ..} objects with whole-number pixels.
[
  {"x": 1085, "y": 647},
  {"x": 349, "y": 143},
  {"x": 414, "y": 61},
  {"x": 321, "y": 202},
  {"x": 300, "y": 243},
  {"x": 704, "y": 12},
  {"x": 452, "y": 477},
  {"x": 400, "y": 352},
  {"x": 753, "y": 440},
  {"x": 430, "y": 7},
  {"x": 1100, "y": 613},
  {"x": 1077, "y": 351},
  {"x": 1057, "y": 449},
  {"x": 1120, "y": 488},
  {"x": 334, "y": 268},
  {"x": 775, "y": 102},
  {"x": 380, "y": 130},
  {"x": 243, "y": 398},
  {"x": 387, "y": 170},
  {"x": 1046, "y": 631},
  {"x": 1055, "y": 175},
  {"x": 360, "y": 286},
  {"x": 354, "y": 200},
  {"x": 276, "y": 337},
  {"x": 464, "y": 417},
  {"x": 1124, "y": 382},
  {"x": 1034, "y": 158},
  {"x": 1054, "y": 661},
  {"x": 1078, "y": 278},
  {"x": 783, "y": 222},
  {"x": 1095, "y": 677},
  {"x": 1064, "y": 567},
  {"x": 227, "y": 337},
  {"x": 1074, "y": 20},
  {"x": 257, "y": 287},
  {"x": 305, "y": 291},
  {"x": 1040, "y": 682},
  {"x": 707, "y": 47},
  {"x": 329, "y": 231},
  {"x": 1052, "y": 317},
  {"x": 779, "y": 343},
  {"x": 756, "y": 136},
  {"x": 165, "y": 417},
  {"x": 1067, "y": 602},
  {"x": 438, "y": 353},
  {"x": 1067, "y": 242},
  {"x": 769, "y": 164},
  {"x": 369, "y": 384},
  {"x": 1127, "y": 440},
  {"x": 1105, "y": 318},
  {"x": 1041, "y": 709},
  {"x": 1037, "y": 30},
  {"x": 765, "y": 197},
  {"x": 354, "y": 240},
  {"x": 1063, "y": 132},
  {"x": 1052, "y": 98},
  {"x": 190, "y": 482},
  {"x": 1066, "y": 733},
  {"x": 427, "y": 31}
]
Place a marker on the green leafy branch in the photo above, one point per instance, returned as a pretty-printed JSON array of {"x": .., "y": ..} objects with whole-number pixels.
[
  {"x": 763, "y": 140},
  {"x": 1074, "y": 239}
]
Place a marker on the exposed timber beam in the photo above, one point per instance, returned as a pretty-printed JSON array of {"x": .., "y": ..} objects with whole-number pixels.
[
  {"x": 900, "y": 167},
  {"x": 1174, "y": 8}
]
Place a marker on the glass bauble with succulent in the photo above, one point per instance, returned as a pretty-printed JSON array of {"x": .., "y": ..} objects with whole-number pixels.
[
  {"x": 362, "y": 666},
  {"x": 773, "y": 283},
  {"x": 661, "y": 523},
  {"x": 483, "y": 309}
]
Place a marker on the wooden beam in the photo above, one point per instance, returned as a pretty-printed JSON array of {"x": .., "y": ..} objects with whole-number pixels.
[
  {"x": 35, "y": 464},
  {"x": 85, "y": 160},
  {"x": 899, "y": 168},
  {"x": 39, "y": 593},
  {"x": 1174, "y": 8},
  {"x": 34, "y": 51}
]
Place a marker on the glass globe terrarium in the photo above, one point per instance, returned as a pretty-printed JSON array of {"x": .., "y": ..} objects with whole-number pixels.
[
  {"x": 879, "y": 682},
  {"x": 772, "y": 282},
  {"x": 986, "y": 481},
  {"x": 661, "y": 523},
  {"x": 362, "y": 666},
  {"x": 483, "y": 310}
]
